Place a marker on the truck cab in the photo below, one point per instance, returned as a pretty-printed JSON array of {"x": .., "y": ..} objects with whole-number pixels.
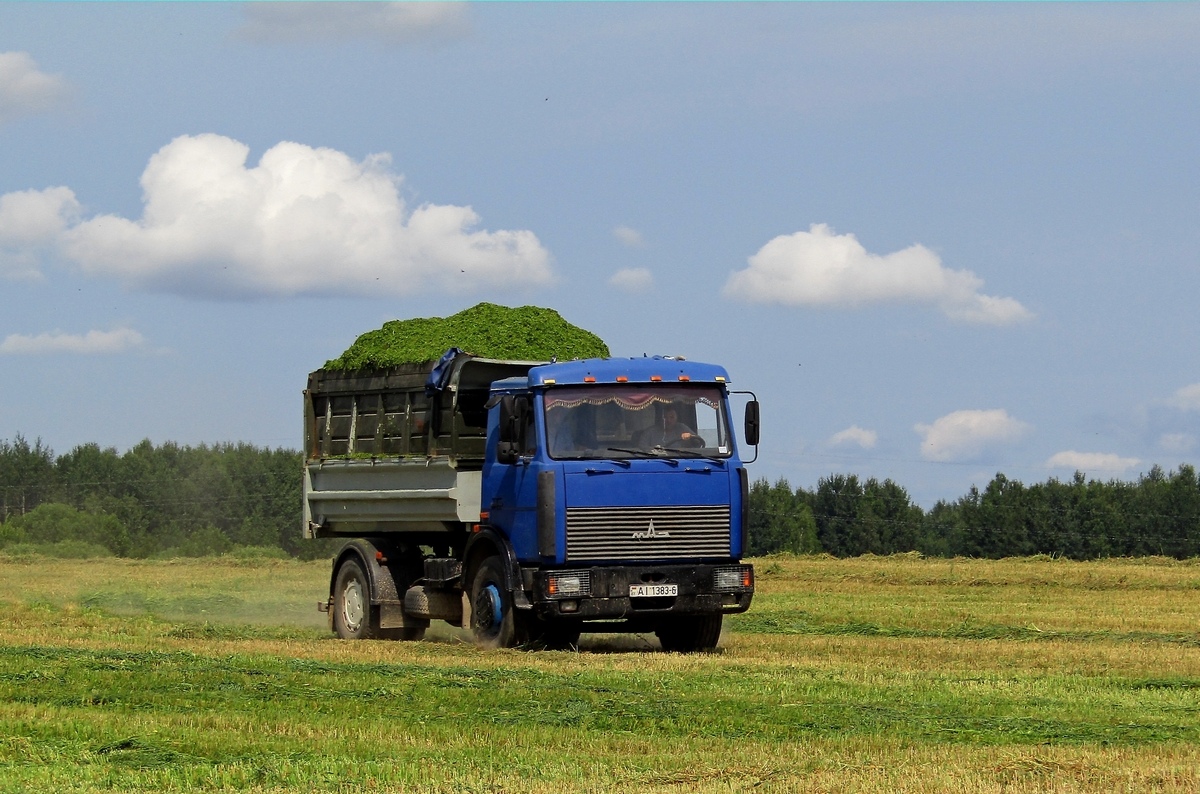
[{"x": 618, "y": 485}]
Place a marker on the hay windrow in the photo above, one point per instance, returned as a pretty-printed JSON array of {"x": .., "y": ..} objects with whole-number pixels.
[{"x": 526, "y": 333}]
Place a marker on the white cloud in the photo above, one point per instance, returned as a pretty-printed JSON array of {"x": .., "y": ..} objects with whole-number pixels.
[
  {"x": 820, "y": 268},
  {"x": 304, "y": 221},
  {"x": 1187, "y": 398},
  {"x": 390, "y": 23},
  {"x": 93, "y": 342},
  {"x": 629, "y": 237},
  {"x": 1091, "y": 462},
  {"x": 632, "y": 279},
  {"x": 24, "y": 89},
  {"x": 30, "y": 221},
  {"x": 854, "y": 435},
  {"x": 36, "y": 217},
  {"x": 964, "y": 435}
]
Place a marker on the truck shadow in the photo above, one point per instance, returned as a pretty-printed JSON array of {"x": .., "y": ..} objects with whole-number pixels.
[{"x": 588, "y": 643}]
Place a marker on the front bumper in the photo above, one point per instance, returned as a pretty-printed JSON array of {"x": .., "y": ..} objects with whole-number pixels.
[{"x": 605, "y": 594}]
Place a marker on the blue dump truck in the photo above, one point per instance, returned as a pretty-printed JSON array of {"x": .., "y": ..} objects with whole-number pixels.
[{"x": 530, "y": 501}]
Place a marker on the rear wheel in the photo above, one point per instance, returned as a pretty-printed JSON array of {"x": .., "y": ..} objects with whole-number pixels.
[
  {"x": 352, "y": 603},
  {"x": 690, "y": 633},
  {"x": 354, "y": 617}
]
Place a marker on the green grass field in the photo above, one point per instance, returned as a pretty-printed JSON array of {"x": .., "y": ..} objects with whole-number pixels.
[{"x": 894, "y": 674}]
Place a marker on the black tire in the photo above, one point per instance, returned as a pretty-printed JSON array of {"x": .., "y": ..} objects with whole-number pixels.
[
  {"x": 494, "y": 623},
  {"x": 690, "y": 633},
  {"x": 410, "y": 569},
  {"x": 353, "y": 618}
]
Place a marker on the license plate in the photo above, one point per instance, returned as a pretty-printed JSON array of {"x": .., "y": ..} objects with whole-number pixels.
[{"x": 653, "y": 590}]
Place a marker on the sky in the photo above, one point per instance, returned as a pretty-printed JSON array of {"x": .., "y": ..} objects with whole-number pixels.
[{"x": 937, "y": 241}]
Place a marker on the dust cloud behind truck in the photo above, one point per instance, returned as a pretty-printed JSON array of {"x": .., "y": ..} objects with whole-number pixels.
[{"x": 530, "y": 501}]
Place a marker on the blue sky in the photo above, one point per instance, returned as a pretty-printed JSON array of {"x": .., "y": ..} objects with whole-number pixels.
[{"x": 938, "y": 240}]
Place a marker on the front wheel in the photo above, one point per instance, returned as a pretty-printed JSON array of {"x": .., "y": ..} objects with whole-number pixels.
[
  {"x": 493, "y": 622},
  {"x": 690, "y": 633}
]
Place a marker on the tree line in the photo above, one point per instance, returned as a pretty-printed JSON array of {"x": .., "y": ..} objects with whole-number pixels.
[
  {"x": 1158, "y": 514},
  {"x": 172, "y": 500},
  {"x": 152, "y": 500}
]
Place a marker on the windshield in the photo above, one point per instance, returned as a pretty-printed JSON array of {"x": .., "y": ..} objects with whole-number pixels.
[{"x": 618, "y": 422}]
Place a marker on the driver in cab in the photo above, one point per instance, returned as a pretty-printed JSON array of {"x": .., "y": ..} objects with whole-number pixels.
[{"x": 672, "y": 432}]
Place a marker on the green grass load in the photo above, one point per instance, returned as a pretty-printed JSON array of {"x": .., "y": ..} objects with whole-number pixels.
[{"x": 527, "y": 333}]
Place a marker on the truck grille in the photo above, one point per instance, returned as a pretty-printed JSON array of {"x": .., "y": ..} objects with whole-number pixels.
[{"x": 647, "y": 533}]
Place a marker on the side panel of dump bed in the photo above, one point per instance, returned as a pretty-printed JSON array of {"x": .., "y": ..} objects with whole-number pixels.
[
  {"x": 398, "y": 449},
  {"x": 366, "y": 497}
]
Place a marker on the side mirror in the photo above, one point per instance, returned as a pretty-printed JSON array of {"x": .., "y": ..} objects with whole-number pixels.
[
  {"x": 752, "y": 426},
  {"x": 506, "y": 452}
]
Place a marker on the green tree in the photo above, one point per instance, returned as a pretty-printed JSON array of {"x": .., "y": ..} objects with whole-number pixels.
[
  {"x": 780, "y": 520},
  {"x": 87, "y": 471},
  {"x": 943, "y": 531},
  {"x": 27, "y": 476},
  {"x": 890, "y": 522},
  {"x": 836, "y": 506},
  {"x": 52, "y": 523}
]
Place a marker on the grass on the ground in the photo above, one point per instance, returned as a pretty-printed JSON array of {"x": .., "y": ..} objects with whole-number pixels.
[{"x": 879, "y": 674}]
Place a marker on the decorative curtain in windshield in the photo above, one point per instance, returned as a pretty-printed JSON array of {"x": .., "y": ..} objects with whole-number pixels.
[{"x": 633, "y": 421}]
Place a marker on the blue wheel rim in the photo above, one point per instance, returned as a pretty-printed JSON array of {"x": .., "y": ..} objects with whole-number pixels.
[{"x": 493, "y": 594}]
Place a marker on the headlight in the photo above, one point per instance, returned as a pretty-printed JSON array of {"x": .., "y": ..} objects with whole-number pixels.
[
  {"x": 732, "y": 578},
  {"x": 568, "y": 584}
]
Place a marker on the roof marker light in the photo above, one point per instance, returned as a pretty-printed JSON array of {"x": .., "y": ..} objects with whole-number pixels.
[
  {"x": 684, "y": 378},
  {"x": 622, "y": 379},
  {"x": 656, "y": 378},
  {"x": 589, "y": 378}
]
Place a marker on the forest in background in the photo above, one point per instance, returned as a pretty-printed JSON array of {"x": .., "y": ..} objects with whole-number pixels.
[
  {"x": 152, "y": 500},
  {"x": 169, "y": 500}
]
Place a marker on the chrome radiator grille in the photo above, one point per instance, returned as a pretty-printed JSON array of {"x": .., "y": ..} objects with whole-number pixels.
[{"x": 647, "y": 533}]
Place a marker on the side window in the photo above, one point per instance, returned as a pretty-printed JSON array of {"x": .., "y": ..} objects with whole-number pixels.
[
  {"x": 709, "y": 425},
  {"x": 517, "y": 431}
]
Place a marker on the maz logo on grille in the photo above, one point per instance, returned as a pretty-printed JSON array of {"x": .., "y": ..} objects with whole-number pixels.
[
  {"x": 644, "y": 533},
  {"x": 650, "y": 533}
]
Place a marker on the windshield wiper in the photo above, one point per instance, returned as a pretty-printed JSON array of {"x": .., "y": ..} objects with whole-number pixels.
[
  {"x": 618, "y": 461},
  {"x": 641, "y": 454},
  {"x": 645, "y": 454},
  {"x": 691, "y": 453}
]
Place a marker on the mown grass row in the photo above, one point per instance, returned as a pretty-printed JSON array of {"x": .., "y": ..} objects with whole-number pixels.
[{"x": 91, "y": 700}]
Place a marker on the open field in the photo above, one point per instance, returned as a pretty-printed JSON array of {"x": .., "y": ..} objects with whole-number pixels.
[{"x": 892, "y": 674}]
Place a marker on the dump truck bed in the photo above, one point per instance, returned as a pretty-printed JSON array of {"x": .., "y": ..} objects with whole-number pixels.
[{"x": 398, "y": 449}]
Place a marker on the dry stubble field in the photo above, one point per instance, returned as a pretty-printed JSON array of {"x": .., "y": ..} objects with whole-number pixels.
[{"x": 895, "y": 674}]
